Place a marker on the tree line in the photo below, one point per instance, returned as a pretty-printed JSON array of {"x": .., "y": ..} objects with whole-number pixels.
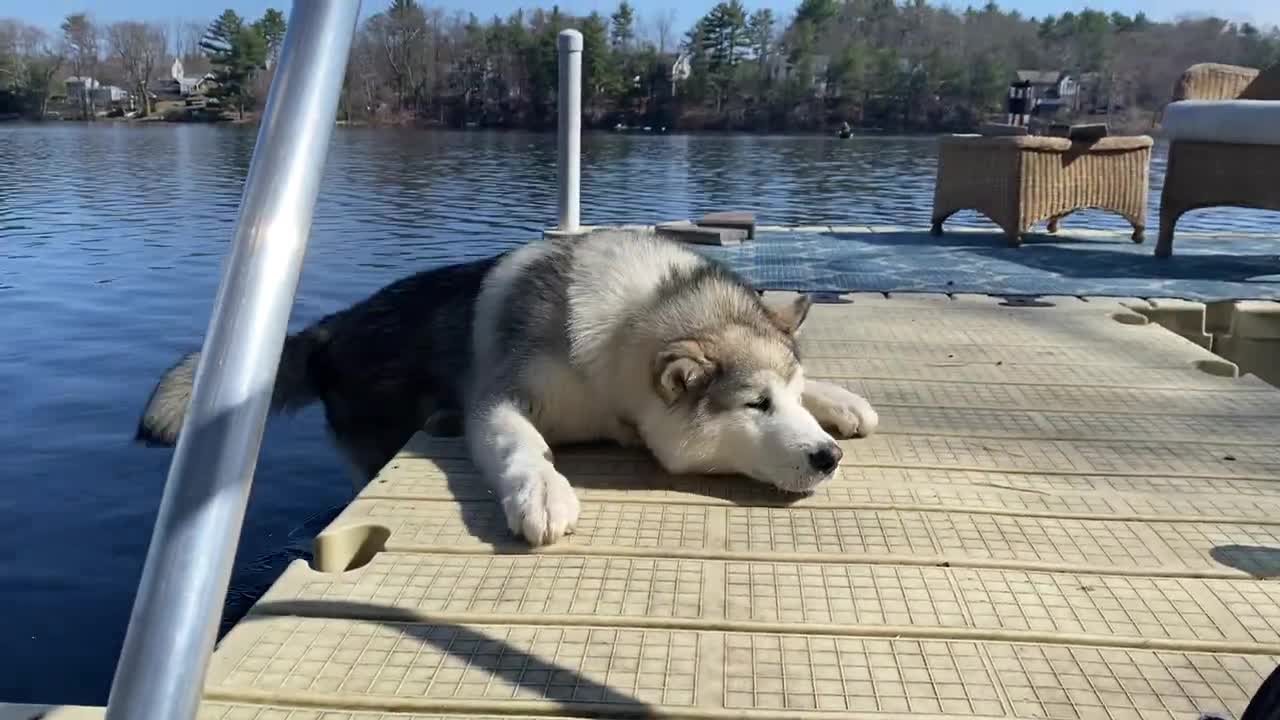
[
  {"x": 35, "y": 64},
  {"x": 871, "y": 63}
]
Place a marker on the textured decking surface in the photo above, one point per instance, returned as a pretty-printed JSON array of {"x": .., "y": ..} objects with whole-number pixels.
[{"x": 1063, "y": 516}]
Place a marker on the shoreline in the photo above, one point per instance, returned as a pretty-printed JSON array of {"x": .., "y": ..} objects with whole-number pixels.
[{"x": 858, "y": 133}]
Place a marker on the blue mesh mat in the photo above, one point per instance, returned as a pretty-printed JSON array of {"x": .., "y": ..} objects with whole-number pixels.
[{"x": 1222, "y": 267}]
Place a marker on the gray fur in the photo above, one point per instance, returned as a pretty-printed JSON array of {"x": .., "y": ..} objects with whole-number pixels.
[{"x": 536, "y": 319}]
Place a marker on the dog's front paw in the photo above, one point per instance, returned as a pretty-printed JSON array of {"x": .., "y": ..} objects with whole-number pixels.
[
  {"x": 858, "y": 420},
  {"x": 543, "y": 507},
  {"x": 626, "y": 435},
  {"x": 843, "y": 413}
]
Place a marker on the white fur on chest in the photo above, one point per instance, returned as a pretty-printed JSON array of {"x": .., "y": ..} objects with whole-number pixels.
[{"x": 564, "y": 407}]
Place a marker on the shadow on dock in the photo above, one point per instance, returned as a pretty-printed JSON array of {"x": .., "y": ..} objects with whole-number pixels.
[
  {"x": 579, "y": 464},
  {"x": 566, "y": 687},
  {"x": 1260, "y": 562}
]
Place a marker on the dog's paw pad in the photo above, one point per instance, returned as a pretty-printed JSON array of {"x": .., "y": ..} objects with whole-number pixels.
[
  {"x": 856, "y": 421},
  {"x": 847, "y": 414},
  {"x": 543, "y": 508}
]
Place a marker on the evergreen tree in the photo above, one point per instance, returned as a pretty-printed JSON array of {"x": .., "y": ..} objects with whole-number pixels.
[
  {"x": 600, "y": 77},
  {"x": 271, "y": 27},
  {"x": 622, "y": 26},
  {"x": 237, "y": 53},
  {"x": 760, "y": 33},
  {"x": 759, "y": 30},
  {"x": 221, "y": 33}
]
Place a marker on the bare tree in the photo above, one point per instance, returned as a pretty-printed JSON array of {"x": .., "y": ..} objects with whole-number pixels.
[
  {"x": 186, "y": 36},
  {"x": 140, "y": 47},
  {"x": 29, "y": 60},
  {"x": 403, "y": 36},
  {"x": 662, "y": 24},
  {"x": 12, "y": 59},
  {"x": 81, "y": 48}
]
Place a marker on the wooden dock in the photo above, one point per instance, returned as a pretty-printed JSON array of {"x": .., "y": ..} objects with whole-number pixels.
[{"x": 1069, "y": 512}]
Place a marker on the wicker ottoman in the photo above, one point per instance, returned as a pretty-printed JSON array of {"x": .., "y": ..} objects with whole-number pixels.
[{"x": 1019, "y": 181}]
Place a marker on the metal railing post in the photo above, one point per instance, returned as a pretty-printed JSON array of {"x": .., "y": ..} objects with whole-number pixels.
[
  {"x": 161, "y": 672},
  {"x": 569, "y": 120}
]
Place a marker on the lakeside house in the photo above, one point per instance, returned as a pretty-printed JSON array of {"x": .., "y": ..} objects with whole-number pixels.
[
  {"x": 1049, "y": 91},
  {"x": 108, "y": 99},
  {"x": 681, "y": 69},
  {"x": 77, "y": 87},
  {"x": 111, "y": 95},
  {"x": 103, "y": 97},
  {"x": 1054, "y": 92},
  {"x": 179, "y": 85},
  {"x": 780, "y": 69}
]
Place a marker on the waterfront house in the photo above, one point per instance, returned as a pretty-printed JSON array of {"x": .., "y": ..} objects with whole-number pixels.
[
  {"x": 79, "y": 87},
  {"x": 1049, "y": 91},
  {"x": 179, "y": 85}
]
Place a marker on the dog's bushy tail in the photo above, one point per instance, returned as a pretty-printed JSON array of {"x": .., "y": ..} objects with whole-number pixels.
[{"x": 162, "y": 418}]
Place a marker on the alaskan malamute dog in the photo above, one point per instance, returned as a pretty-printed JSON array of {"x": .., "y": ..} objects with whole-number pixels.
[{"x": 615, "y": 335}]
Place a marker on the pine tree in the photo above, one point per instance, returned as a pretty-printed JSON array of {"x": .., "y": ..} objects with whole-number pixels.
[
  {"x": 222, "y": 31},
  {"x": 622, "y": 26},
  {"x": 237, "y": 53},
  {"x": 599, "y": 75},
  {"x": 271, "y": 27},
  {"x": 718, "y": 42}
]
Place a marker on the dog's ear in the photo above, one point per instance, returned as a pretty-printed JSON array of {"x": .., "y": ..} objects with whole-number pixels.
[
  {"x": 789, "y": 315},
  {"x": 681, "y": 368}
]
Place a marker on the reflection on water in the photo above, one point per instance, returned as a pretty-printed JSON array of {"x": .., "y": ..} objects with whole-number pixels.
[{"x": 111, "y": 242}]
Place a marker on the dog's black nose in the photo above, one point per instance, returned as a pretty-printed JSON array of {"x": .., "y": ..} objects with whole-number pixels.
[{"x": 826, "y": 459}]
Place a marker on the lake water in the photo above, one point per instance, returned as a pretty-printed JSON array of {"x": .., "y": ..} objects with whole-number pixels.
[{"x": 111, "y": 243}]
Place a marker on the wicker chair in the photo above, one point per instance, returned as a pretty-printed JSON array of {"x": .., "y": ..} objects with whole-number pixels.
[{"x": 1222, "y": 152}]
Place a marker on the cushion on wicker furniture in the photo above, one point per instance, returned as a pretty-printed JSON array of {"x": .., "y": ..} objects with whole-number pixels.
[
  {"x": 1050, "y": 144},
  {"x": 1244, "y": 122}
]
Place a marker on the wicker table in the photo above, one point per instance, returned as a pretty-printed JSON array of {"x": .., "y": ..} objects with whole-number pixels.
[{"x": 1019, "y": 181}]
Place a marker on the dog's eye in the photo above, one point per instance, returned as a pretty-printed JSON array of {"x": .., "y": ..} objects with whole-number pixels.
[{"x": 761, "y": 403}]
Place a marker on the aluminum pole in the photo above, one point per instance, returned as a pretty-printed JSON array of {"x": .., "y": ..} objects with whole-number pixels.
[
  {"x": 160, "y": 675},
  {"x": 570, "y": 125}
]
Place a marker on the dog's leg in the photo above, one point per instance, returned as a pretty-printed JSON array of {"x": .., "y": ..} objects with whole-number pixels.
[
  {"x": 841, "y": 412},
  {"x": 625, "y": 434},
  {"x": 514, "y": 457}
]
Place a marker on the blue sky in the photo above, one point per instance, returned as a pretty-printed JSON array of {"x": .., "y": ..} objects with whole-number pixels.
[{"x": 49, "y": 13}]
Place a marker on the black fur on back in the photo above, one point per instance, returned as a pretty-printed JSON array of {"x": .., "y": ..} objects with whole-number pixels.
[
  {"x": 382, "y": 367},
  {"x": 395, "y": 359}
]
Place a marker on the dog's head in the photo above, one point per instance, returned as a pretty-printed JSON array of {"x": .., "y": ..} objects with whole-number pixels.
[{"x": 733, "y": 402}]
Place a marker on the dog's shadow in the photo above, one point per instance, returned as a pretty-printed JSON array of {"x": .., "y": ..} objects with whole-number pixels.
[
  {"x": 613, "y": 472},
  {"x": 607, "y": 467}
]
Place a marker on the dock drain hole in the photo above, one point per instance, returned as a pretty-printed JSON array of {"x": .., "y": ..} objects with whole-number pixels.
[
  {"x": 1219, "y": 368},
  {"x": 1027, "y": 301},
  {"x": 1130, "y": 318},
  {"x": 348, "y": 548}
]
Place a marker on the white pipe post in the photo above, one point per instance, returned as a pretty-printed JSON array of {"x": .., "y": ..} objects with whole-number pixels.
[
  {"x": 570, "y": 126},
  {"x": 162, "y": 667}
]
